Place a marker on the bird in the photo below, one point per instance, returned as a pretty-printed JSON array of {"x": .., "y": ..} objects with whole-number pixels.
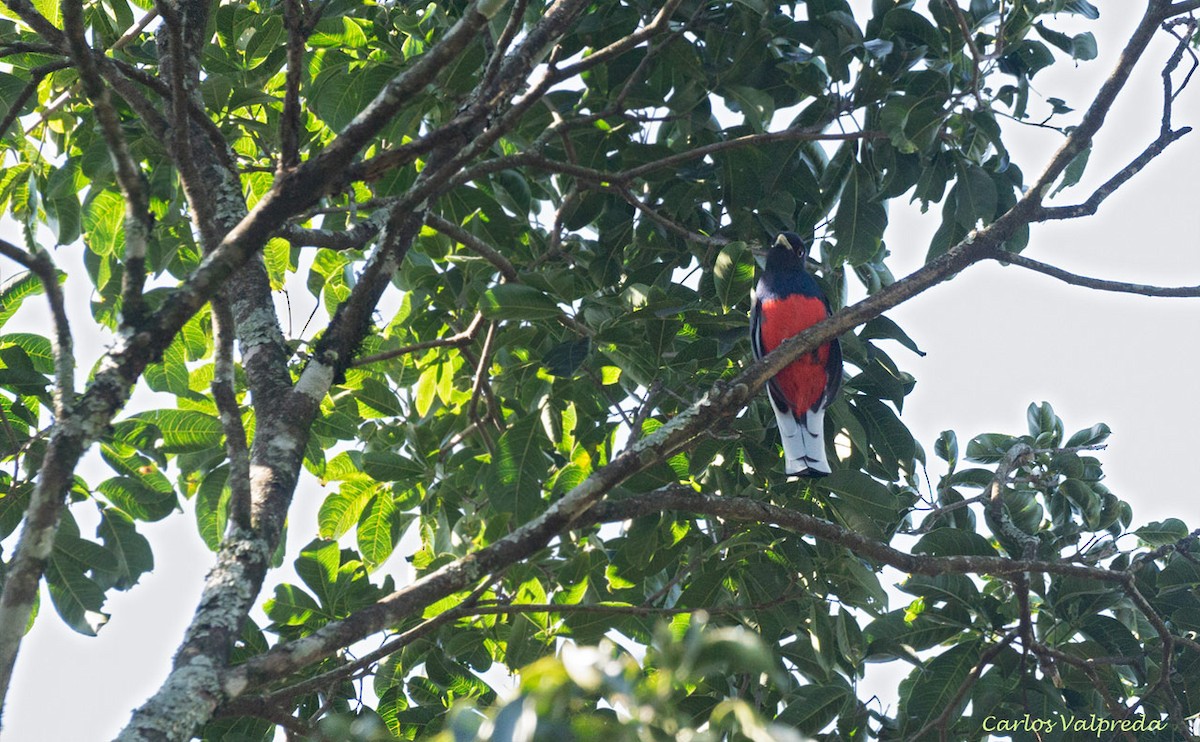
[{"x": 786, "y": 301}]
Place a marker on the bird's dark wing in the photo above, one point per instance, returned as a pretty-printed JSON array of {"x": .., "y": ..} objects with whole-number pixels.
[{"x": 833, "y": 372}]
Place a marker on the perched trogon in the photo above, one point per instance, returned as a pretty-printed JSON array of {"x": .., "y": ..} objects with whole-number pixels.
[{"x": 786, "y": 301}]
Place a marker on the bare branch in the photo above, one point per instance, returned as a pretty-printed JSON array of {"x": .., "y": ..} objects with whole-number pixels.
[
  {"x": 479, "y": 383},
  {"x": 353, "y": 238},
  {"x": 601, "y": 178},
  {"x": 400, "y": 89},
  {"x": 134, "y": 31},
  {"x": 1183, "y": 6},
  {"x": 620, "y": 46},
  {"x": 21, "y": 47},
  {"x": 1081, "y": 136},
  {"x": 515, "y": 18},
  {"x": 41, "y": 515},
  {"x": 236, "y": 448},
  {"x": 352, "y": 320},
  {"x": 289, "y": 125},
  {"x": 456, "y": 340},
  {"x": 670, "y": 224},
  {"x": 484, "y": 250},
  {"x": 954, "y": 707},
  {"x": 128, "y": 174},
  {"x": 1094, "y": 283},
  {"x": 330, "y": 677}
]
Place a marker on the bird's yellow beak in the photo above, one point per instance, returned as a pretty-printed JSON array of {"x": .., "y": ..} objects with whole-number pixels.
[{"x": 781, "y": 241}]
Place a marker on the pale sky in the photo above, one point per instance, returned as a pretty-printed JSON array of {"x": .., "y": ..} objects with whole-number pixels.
[{"x": 997, "y": 339}]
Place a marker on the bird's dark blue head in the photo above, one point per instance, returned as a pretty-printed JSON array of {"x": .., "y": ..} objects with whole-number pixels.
[{"x": 789, "y": 253}]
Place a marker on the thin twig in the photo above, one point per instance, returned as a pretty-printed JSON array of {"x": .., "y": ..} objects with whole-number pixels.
[
  {"x": 955, "y": 705},
  {"x": 35, "y": 78},
  {"x": 128, "y": 174},
  {"x": 483, "y": 249},
  {"x": 325, "y": 679},
  {"x": 236, "y": 448},
  {"x": 289, "y": 125},
  {"x": 1005, "y": 257},
  {"x": 456, "y": 340}
]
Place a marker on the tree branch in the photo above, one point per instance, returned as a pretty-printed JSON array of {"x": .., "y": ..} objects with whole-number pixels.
[
  {"x": 24, "y": 571},
  {"x": 35, "y": 79},
  {"x": 38, "y": 22},
  {"x": 129, "y": 176},
  {"x": 1081, "y": 136},
  {"x": 230, "y": 413},
  {"x": 954, "y": 707},
  {"x": 453, "y": 341},
  {"x": 1004, "y": 257},
  {"x": 1166, "y": 136},
  {"x": 246, "y": 704},
  {"x": 289, "y": 124},
  {"x": 400, "y": 89},
  {"x": 515, "y": 18},
  {"x": 478, "y": 246},
  {"x": 353, "y": 238}
]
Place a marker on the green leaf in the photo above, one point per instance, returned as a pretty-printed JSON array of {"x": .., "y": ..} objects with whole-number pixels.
[
  {"x": 426, "y": 389},
  {"x": 883, "y": 328},
  {"x": 1162, "y": 533},
  {"x": 517, "y": 301},
  {"x": 1092, "y": 436},
  {"x": 338, "y": 93},
  {"x": 212, "y": 506},
  {"x": 16, "y": 292},
  {"x": 378, "y": 528},
  {"x": 11, "y": 87},
  {"x": 989, "y": 448},
  {"x": 975, "y": 197},
  {"x": 565, "y": 358},
  {"x": 1081, "y": 46},
  {"x": 1084, "y": 498},
  {"x": 521, "y": 466},
  {"x": 277, "y": 256},
  {"x": 733, "y": 274},
  {"x": 319, "y": 566},
  {"x": 864, "y": 504},
  {"x": 291, "y": 606},
  {"x": 946, "y": 448},
  {"x": 184, "y": 431},
  {"x": 937, "y": 684},
  {"x": 860, "y": 220},
  {"x": 104, "y": 222},
  {"x": 893, "y": 636},
  {"x": 813, "y": 707},
  {"x": 76, "y": 597},
  {"x": 376, "y": 399},
  {"x": 889, "y": 436},
  {"x": 387, "y": 466},
  {"x": 1074, "y": 170},
  {"x": 130, "y": 548},
  {"x": 341, "y": 510},
  {"x": 138, "y": 500},
  {"x": 954, "y": 542},
  {"x": 1081, "y": 7},
  {"x": 38, "y": 348}
]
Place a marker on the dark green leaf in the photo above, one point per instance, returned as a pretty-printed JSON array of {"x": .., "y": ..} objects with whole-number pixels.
[{"x": 517, "y": 301}]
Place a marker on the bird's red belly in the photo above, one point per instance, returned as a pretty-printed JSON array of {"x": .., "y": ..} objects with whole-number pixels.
[{"x": 803, "y": 381}]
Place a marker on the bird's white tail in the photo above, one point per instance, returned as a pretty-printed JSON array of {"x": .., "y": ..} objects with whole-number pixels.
[{"x": 803, "y": 442}]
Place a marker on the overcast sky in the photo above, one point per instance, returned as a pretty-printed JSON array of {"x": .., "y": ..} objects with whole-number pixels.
[{"x": 997, "y": 339}]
